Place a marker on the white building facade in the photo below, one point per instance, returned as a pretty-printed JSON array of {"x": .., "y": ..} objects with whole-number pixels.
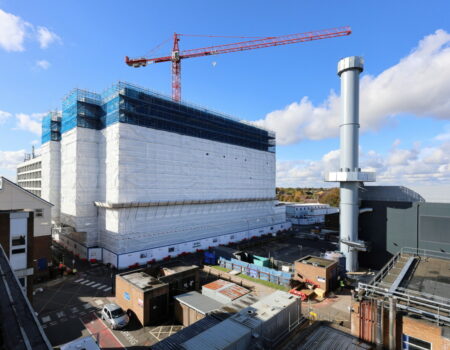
[
  {"x": 143, "y": 177},
  {"x": 308, "y": 213},
  {"x": 29, "y": 174}
]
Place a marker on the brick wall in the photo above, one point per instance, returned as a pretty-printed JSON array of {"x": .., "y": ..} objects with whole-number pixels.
[{"x": 424, "y": 330}]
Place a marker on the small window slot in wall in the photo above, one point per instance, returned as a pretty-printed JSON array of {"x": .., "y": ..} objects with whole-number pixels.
[
  {"x": 18, "y": 240},
  {"x": 39, "y": 213},
  {"x": 18, "y": 251},
  {"x": 171, "y": 249}
]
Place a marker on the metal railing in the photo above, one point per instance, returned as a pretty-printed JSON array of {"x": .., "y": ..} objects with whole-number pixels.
[
  {"x": 425, "y": 253},
  {"x": 434, "y": 308}
]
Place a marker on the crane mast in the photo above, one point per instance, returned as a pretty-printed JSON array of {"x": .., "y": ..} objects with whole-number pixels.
[{"x": 178, "y": 55}]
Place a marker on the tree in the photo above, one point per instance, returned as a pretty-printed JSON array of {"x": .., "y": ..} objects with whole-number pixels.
[{"x": 330, "y": 197}]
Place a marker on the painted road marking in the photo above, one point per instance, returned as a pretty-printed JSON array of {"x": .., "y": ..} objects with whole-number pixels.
[
  {"x": 63, "y": 319},
  {"x": 106, "y": 338},
  {"x": 87, "y": 306},
  {"x": 53, "y": 323},
  {"x": 60, "y": 314},
  {"x": 74, "y": 309},
  {"x": 84, "y": 282},
  {"x": 79, "y": 280},
  {"x": 109, "y": 288},
  {"x": 46, "y": 319},
  {"x": 95, "y": 285},
  {"x": 98, "y": 302},
  {"x": 88, "y": 284},
  {"x": 101, "y": 287}
]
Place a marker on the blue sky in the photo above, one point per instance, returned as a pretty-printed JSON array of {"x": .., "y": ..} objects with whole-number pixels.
[{"x": 67, "y": 44}]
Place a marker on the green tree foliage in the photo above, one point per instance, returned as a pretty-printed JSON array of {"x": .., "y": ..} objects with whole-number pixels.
[
  {"x": 308, "y": 195},
  {"x": 330, "y": 197}
]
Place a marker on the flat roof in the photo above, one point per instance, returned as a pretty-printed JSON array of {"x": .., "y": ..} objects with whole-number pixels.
[
  {"x": 142, "y": 280},
  {"x": 316, "y": 261},
  {"x": 325, "y": 338},
  {"x": 430, "y": 277},
  {"x": 198, "y": 302},
  {"x": 229, "y": 289},
  {"x": 235, "y": 306},
  {"x": 419, "y": 280}
]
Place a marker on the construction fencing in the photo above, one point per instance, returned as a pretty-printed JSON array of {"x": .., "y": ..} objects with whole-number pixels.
[{"x": 256, "y": 271}]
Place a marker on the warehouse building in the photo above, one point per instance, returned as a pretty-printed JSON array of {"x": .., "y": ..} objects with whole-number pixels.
[
  {"x": 308, "y": 213},
  {"x": 144, "y": 178}
]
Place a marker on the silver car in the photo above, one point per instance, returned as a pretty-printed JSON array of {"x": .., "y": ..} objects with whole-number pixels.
[{"x": 115, "y": 316}]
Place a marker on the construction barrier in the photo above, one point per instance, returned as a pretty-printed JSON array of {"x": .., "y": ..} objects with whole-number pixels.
[{"x": 260, "y": 272}]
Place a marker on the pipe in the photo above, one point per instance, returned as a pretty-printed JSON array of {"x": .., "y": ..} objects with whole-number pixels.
[
  {"x": 392, "y": 318},
  {"x": 379, "y": 318},
  {"x": 349, "y": 69}
]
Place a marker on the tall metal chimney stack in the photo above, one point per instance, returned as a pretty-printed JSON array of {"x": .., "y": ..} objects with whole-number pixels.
[{"x": 350, "y": 174}]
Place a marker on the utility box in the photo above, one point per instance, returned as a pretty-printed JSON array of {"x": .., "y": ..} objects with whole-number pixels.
[
  {"x": 146, "y": 296},
  {"x": 317, "y": 271}
]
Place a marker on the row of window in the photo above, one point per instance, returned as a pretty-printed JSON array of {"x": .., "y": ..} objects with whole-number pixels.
[
  {"x": 32, "y": 184},
  {"x": 34, "y": 166},
  {"x": 30, "y": 176}
]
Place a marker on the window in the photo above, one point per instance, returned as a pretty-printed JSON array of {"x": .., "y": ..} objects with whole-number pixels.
[
  {"x": 18, "y": 240},
  {"x": 143, "y": 255},
  {"x": 39, "y": 213},
  {"x": 18, "y": 251},
  {"x": 412, "y": 343},
  {"x": 171, "y": 249},
  {"x": 232, "y": 237},
  {"x": 215, "y": 240},
  {"x": 196, "y": 244},
  {"x": 22, "y": 282}
]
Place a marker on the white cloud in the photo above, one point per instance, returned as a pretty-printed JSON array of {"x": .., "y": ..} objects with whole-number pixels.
[
  {"x": 4, "y": 116},
  {"x": 9, "y": 161},
  {"x": 419, "y": 84},
  {"x": 414, "y": 166},
  {"x": 30, "y": 122},
  {"x": 46, "y": 37},
  {"x": 43, "y": 64},
  {"x": 14, "y": 30}
]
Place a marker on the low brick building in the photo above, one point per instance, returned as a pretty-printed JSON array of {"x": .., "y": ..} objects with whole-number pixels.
[
  {"x": 319, "y": 272},
  {"x": 149, "y": 293},
  {"x": 25, "y": 232}
]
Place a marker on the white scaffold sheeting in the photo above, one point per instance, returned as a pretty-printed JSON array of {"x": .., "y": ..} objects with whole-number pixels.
[
  {"x": 51, "y": 176},
  {"x": 132, "y": 229},
  {"x": 157, "y": 165},
  {"x": 79, "y": 176}
]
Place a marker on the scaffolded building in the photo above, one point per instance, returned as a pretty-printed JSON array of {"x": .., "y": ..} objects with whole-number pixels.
[{"x": 142, "y": 177}]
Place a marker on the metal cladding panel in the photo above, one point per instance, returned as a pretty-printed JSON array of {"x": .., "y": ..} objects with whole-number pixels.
[
  {"x": 199, "y": 302},
  {"x": 227, "y": 335},
  {"x": 174, "y": 341}
]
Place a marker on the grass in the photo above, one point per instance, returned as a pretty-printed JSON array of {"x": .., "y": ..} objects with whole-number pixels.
[
  {"x": 217, "y": 267},
  {"x": 256, "y": 280}
]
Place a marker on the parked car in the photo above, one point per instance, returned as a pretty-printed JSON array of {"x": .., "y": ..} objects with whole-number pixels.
[{"x": 114, "y": 316}]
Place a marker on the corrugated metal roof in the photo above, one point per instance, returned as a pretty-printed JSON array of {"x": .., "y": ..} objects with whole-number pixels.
[
  {"x": 198, "y": 302},
  {"x": 174, "y": 341},
  {"x": 218, "y": 337},
  {"x": 325, "y": 338},
  {"x": 229, "y": 289}
]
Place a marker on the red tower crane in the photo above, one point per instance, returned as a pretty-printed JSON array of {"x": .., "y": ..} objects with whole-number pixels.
[{"x": 178, "y": 55}]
